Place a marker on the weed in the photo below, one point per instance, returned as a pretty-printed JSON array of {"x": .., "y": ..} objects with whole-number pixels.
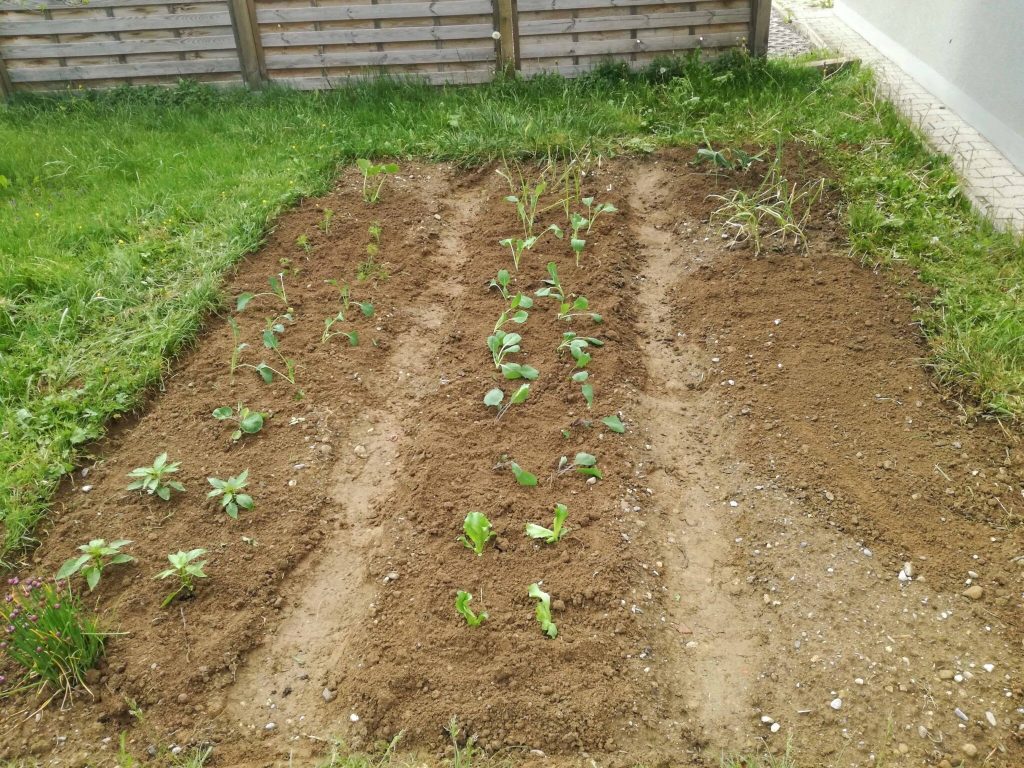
[
  {"x": 557, "y": 530},
  {"x": 462, "y": 600},
  {"x": 248, "y": 421},
  {"x": 476, "y": 532},
  {"x": 186, "y": 570},
  {"x": 303, "y": 242},
  {"x": 96, "y": 555},
  {"x": 494, "y": 398},
  {"x": 583, "y": 463},
  {"x": 153, "y": 479},
  {"x": 48, "y": 637},
  {"x": 325, "y": 220},
  {"x": 543, "y": 610},
  {"x": 372, "y": 171},
  {"x": 230, "y": 491},
  {"x": 195, "y": 757},
  {"x": 237, "y": 345},
  {"x": 463, "y": 755}
]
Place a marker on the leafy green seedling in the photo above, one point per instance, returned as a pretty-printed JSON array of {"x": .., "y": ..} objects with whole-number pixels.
[
  {"x": 249, "y": 421},
  {"x": 727, "y": 159},
  {"x": 513, "y": 371},
  {"x": 578, "y": 346},
  {"x": 345, "y": 295},
  {"x": 276, "y": 289},
  {"x": 303, "y": 242},
  {"x": 352, "y": 336},
  {"x": 502, "y": 344},
  {"x": 325, "y": 222},
  {"x": 462, "y": 600},
  {"x": 371, "y": 171},
  {"x": 230, "y": 491},
  {"x": 557, "y": 530},
  {"x": 518, "y": 246},
  {"x": 577, "y": 222},
  {"x": 577, "y": 308},
  {"x": 477, "y": 532},
  {"x": 502, "y": 281},
  {"x": 583, "y": 463},
  {"x": 494, "y": 398},
  {"x": 154, "y": 479},
  {"x": 96, "y": 555},
  {"x": 614, "y": 423},
  {"x": 593, "y": 211},
  {"x": 525, "y": 197},
  {"x": 543, "y": 610},
  {"x": 552, "y": 285},
  {"x": 271, "y": 333},
  {"x": 184, "y": 567},
  {"x": 522, "y": 476},
  {"x": 237, "y": 345}
]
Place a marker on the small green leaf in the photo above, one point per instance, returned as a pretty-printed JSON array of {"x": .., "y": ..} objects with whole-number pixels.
[
  {"x": 585, "y": 460},
  {"x": 521, "y": 394},
  {"x": 493, "y": 398},
  {"x": 243, "y": 301},
  {"x": 588, "y": 394},
  {"x": 523, "y": 477},
  {"x": 614, "y": 423},
  {"x": 224, "y": 412},
  {"x": 252, "y": 423}
]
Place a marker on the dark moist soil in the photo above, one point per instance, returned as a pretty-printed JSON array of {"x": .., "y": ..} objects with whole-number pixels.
[{"x": 329, "y": 613}]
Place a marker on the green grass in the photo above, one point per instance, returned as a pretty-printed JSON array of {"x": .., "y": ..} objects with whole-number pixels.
[{"x": 121, "y": 212}]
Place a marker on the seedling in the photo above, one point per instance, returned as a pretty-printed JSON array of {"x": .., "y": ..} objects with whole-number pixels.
[
  {"x": 477, "y": 532},
  {"x": 595, "y": 210},
  {"x": 271, "y": 333},
  {"x": 518, "y": 246},
  {"x": 502, "y": 343},
  {"x": 525, "y": 197},
  {"x": 96, "y": 555},
  {"x": 578, "y": 346},
  {"x": 303, "y": 242},
  {"x": 501, "y": 281},
  {"x": 577, "y": 308},
  {"x": 325, "y": 221},
  {"x": 512, "y": 371},
  {"x": 543, "y": 610},
  {"x": 154, "y": 479},
  {"x": 230, "y": 491},
  {"x": 352, "y": 336},
  {"x": 586, "y": 388},
  {"x": 494, "y": 398},
  {"x": 552, "y": 285},
  {"x": 276, "y": 289},
  {"x": 248, "y": 421},
  {"x": 462, "y": 600},
  {"x": 577, "y": 222},
  {"x": 557, "y": 530},
  {"x": 186, "y": 570},
  {"x": 237, "y": 345},
  {"x": 583, "y": 463},
  {"x": 369, "y": 269},
  {"x": 345, "y": 296},
  {"x": 727, "y": 159},
  {"x": 523, "y": 477},
  {"x": 372, "y": 171},
  {"x": 614, "y": 423}
]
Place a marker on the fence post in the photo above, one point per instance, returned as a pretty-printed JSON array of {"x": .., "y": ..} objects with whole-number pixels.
[
  {"x": 247, "y": 39},
  {"x": 506, "y": 22},
  {"x": 6, "y": 87},
  {"x": 760, "y": 22}
]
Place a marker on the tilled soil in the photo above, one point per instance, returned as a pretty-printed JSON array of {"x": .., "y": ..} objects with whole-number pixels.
[{"x": 735, "y": 570}]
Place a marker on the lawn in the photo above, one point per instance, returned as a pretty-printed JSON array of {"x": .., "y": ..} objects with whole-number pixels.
[{"x": 122, "y": 212}]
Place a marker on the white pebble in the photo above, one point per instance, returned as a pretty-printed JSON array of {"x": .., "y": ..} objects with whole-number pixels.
[
  {"x": 354, "y": 717},
  {"x": 775, "y": 727},
  {"x": 991, "y": 719},
  {"x": 988, "y": 667},
  {"x": 270, "y": 726},
  {"x": 86, "y": 488},
  {"x": 836, "y": 704}
]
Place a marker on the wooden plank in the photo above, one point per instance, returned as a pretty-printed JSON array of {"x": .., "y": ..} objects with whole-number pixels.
[
  {"x": 380, "y": 58},
  {"x": 247, "y": 36},
  {"x": 121, "y": 47},
  {"x": 171, "y": 68},
  {"x": 431, "y": 78},
  {"x": 444, "y": 9},
  {"x": 639, "y": 21},
  {"x": 28, "y": 6},
  {"x": 6, "y": 87},
  {"x": 528, "y": 6},
  {"x": 368, "y": 36},
  {"x": 118, "y": 24},
  {"x": 760, "y": 21},
  {"x": 606, "y": 47},
  {"x": 504, "y": 11}
]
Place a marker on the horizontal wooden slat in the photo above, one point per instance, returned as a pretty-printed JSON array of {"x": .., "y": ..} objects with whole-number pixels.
[
  {"x": 120, "y": 47},
  {"x": 366, "y": 36},
  {"x": 433, "y": 78},
  {"x": 171, "y": 68},
  {"x": 632, "y": 21},
  {"x": 364, "y": 12},
  {"x": 380, "y": 58},
  {"x": 62, "y": 5},
  {"x": 528, "y": 6},
  {"x": 115, "y": 24},
  {"x": 608, "y": 47}
]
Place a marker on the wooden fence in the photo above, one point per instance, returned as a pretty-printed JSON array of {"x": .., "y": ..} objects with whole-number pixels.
[{"x": 62, "y": 44}]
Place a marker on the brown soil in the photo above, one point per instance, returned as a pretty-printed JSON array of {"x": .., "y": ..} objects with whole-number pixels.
[{"x": 786, "y": 453}]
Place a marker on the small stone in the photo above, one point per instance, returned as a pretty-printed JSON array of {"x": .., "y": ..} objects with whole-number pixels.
[
  {"x": 988, "y": 667},
  {"x": 969, "y": 749},
  {"x": 946, "y": 674},
  {"x": 329, "y": 695},
  {"x": 354, "y": 717},
  {"x": 991, "y": 719},
  {"x": 183, "y": 698},
  {"x": 591, "y": 480},
  {"x": 908, "y": 568},
  {"x": 360, "y": 451},
  {"x": 836, "y": 704},
  {"x": 270, "y": 726},
  {"x": 775, "y": 728},
  {"x": 767, "y": 720},
  {"x": 974, "y": 592},
  {"x": 902, "y": 748},
  {"x": 86, "y": 488}
]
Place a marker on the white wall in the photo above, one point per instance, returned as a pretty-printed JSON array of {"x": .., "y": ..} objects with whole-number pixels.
[{"x": 969, "y": 53}]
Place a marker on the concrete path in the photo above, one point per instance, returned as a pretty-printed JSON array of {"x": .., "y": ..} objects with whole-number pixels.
[{"x": 993, "y": 183}]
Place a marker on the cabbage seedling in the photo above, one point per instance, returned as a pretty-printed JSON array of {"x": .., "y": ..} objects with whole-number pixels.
[
  {"x": 345, "y": 295},
  {"x": 577, "y": 308},
  {"x": 501, "y": 281},
  {"x": 154, "y": 479},
  {"x": 184, "y": 567},
  {"x": 276, "y": 289},
  {"x": 249, "y": 422},
  {"x": 494, "y": 398},
  {"x": 502, "y": 344},
  {"x": 230, "y": 491},
  {"x": 577, "y": 222},
  {"x": 518, "y": 246},
  {"x": 583, "y": 463},
  {"x": 371, "y": 171},
  {"x": 593, "y": 211},
  {"x": 614, "y": 423},
  {"x": 522, "y": 476},
  {"x": 352, "y": 336},
  {"x": 513, "y": 371},
  {"x": 555, "y": 532},
  {"x": 462, "y": 600},
  {"x": 96, "y": 555},
  {"x": 543, "y": 610},
  {"x": 477, "y": 532}
]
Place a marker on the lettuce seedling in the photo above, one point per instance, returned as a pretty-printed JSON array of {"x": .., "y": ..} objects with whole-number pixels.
[
  {"x": 249, "y": 422},
  {"x": 370, "y": 171},
  {"x": 522, "y": 476},
  {"x": 96, "y": 555},
  {"x": 543, "y": 610},
  {"x": 553, "y": 534},
  {"x": 462, "y": 600},
  {"x": 583, "y": 463},
  {"x": 183, "y": 566},
  {"x": 495, "y": 396},
  {"x": 230, "y": 491},
  {"x": 154, "y": 479},
  {"x": 518, "y": 246},
  {"x": 586, "y": 388},
  {"x": 477, "y": 532}
]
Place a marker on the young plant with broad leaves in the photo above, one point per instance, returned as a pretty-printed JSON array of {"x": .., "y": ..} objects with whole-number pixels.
[
  {"x": 614, "y": 423},
  {"x": 495, "y": 399},
  {"x": 594, "y": 210},
  {"x": 579, "y": 347},
  {"x": 525, "y": 196},
  {"x": 522, "y": 476},
  {"x": 557, "y": 530},
  {"x": 462, "y": 601},
  {"x": 578, "y": 307},
  {"x": 371, "y": 171},
  {"x": 97, "y": 555},
  {"x": 186, "y": 570},
  {"x": 156, "y": 479},
  {"x": 502, "y": 343},
  {"x": 477, "y": 532},
  {"x": 543, "y": 610},
  {"x": 577, "y": 222},
  {"x": 231, "y": 493},
  {"x": 552, "y": 287},
  {"x": 276, "y": 289},
  {"x": 582, "y": 463},
  {"x": 246, "y": 420}
]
